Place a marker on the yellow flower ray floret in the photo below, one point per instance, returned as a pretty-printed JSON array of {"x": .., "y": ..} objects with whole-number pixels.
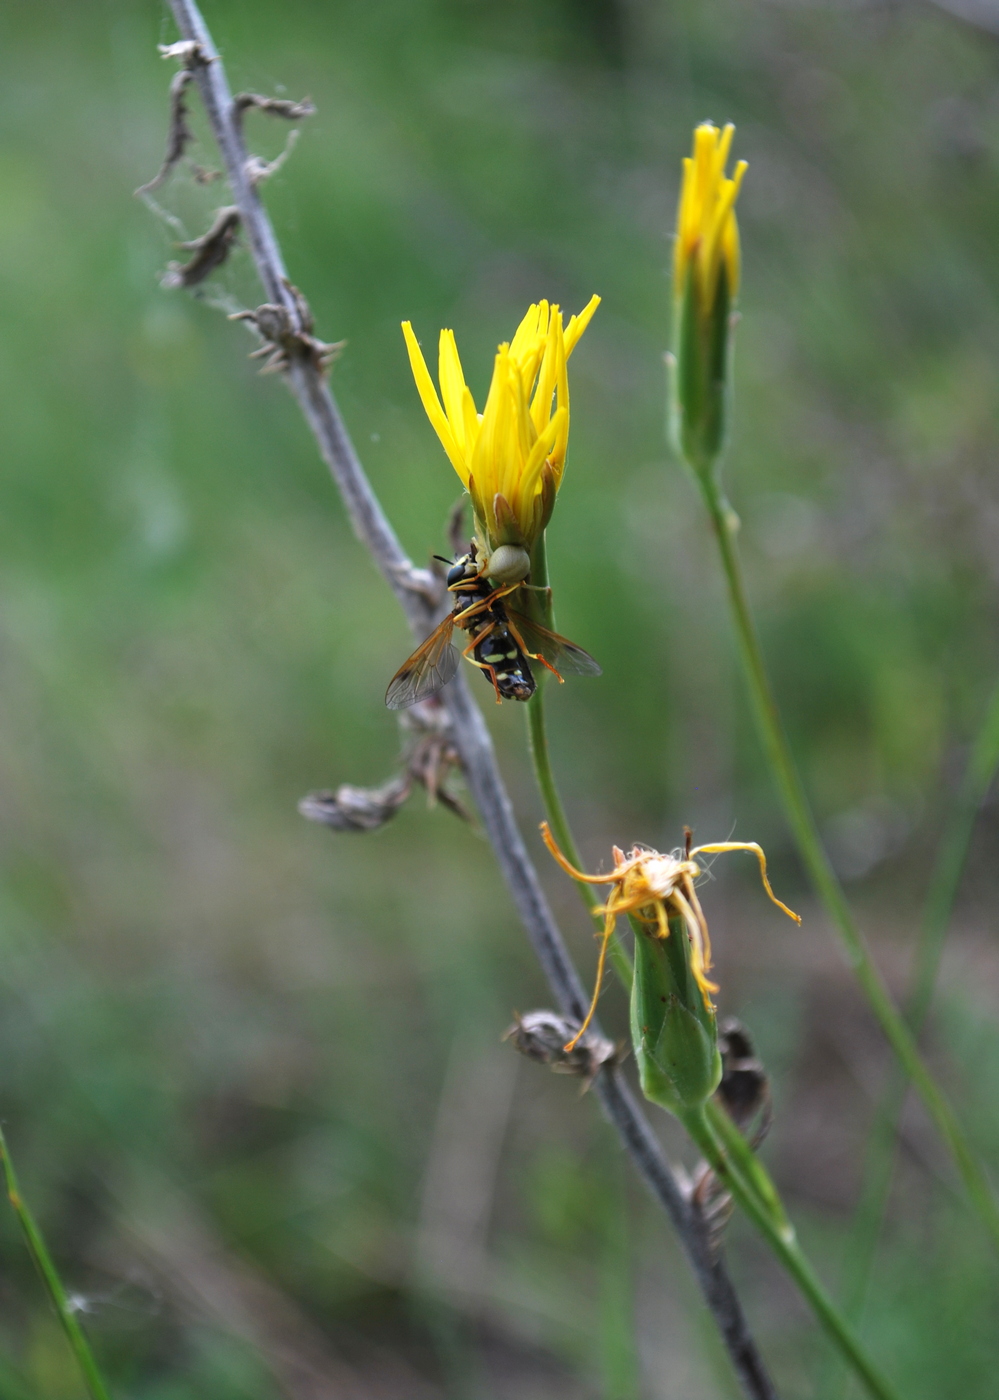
[
  {"x": 654, "y": 886},
  {"x": 707, "y": 233},
  {"x": 511, "y": 457}
]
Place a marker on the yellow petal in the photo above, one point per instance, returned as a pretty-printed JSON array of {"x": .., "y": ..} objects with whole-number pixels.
[
  {"x": 452, "y": 382},
  {"x": 541, "y": 405},
  {"x": 577, "y": 324},
  {"x": 431, "y": 403},
  {"x": 539, "y": 455}
]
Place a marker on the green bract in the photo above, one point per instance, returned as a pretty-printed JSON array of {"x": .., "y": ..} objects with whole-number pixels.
[{"x": 674, "y": 1032}]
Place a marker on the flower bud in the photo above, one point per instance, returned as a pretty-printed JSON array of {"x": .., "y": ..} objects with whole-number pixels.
[
  {"x": 705, "y": 286},
  {"x": 673, "y": 1027}
]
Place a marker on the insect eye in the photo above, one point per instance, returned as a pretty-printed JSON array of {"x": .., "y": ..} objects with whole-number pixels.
[{"x": 456, "y": 573}]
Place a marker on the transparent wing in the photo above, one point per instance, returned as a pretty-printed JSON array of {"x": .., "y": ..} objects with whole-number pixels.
[
  {"x": 429, "y": 669},
  {"x": 557, "y": 651}
]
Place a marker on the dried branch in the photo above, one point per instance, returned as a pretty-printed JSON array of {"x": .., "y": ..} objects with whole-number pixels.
[{"x": 415, "y": 589}]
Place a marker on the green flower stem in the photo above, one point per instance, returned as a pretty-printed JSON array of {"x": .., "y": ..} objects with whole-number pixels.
[
  {"x": 810, "y": 847},
  {"x": 753, "y": 1170},
  {"x": 537, "y": 734},
  {"x": 740, "y": 1177},
  {"x": 50, "y": 1277},
  {"x": 980, "y": 773}
]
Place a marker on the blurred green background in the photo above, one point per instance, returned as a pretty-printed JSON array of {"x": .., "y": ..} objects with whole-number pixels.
[{"x": 249, "y": 1069}]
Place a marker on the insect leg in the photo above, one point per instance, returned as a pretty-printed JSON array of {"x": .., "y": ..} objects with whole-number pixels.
[
  {"x": 484, "y": 665},
  {"x": 534, "y": 655}
]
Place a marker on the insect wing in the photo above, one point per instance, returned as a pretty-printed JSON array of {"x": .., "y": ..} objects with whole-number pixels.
[
  {"x": 429, "y": 669},
  {"x": 557, "y": 651}
]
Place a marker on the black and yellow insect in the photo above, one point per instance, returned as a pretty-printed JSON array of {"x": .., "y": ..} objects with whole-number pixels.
[{"x": 503, "y": 643}]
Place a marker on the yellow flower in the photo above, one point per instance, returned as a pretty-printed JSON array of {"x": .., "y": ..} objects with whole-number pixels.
[
  {"x": 510, "y": 457},
  {"x": 656, "y": 888},
  {"x": 707, "y": 235}
]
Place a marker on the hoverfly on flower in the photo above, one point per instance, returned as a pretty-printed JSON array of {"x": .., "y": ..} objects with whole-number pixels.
[
  {"x": 511, "y": 459},
  {"x": 503, "y": 643}
]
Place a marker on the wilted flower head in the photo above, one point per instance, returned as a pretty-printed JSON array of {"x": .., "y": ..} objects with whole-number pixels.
[
  {"x": 705, "y": 284},
  {"x": 510, "y": 457},
  {"x": 673, "y": 1022}
]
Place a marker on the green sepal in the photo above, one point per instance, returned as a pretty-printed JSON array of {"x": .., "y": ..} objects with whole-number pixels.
[
  {"x": 674, "y": 1033},
  {"x": 700, "y": 372}
]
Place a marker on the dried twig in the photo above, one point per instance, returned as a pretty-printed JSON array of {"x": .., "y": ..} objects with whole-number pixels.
[{"x": 411, "y": 587}]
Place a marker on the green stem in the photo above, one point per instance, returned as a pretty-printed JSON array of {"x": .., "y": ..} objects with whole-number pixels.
[
  {"x": 50, "y": 1277},
  {"x": 731, "y": 1169},
  {"x": 983, "y": 763},
  {"x": 537, "y": 734},
  {"x": 810, "y": 847}
]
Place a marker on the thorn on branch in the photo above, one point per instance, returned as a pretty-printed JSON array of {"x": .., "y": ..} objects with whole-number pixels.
[
  {"x": 543, "y": 1035},
  {"x": 284, "y": 341},
  {"x": 210, "y": 251}
]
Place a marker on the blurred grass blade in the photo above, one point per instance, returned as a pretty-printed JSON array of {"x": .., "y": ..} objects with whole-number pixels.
[
  {"x": 816, "y": 861},
  {"x": 979, "y": 775},
  {"x": 736, "y": 1166},
  {"x": 53, "y": 1283}
]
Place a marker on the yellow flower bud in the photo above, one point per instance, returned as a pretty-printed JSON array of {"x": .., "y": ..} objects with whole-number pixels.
[{"x": 705, "y": 286}]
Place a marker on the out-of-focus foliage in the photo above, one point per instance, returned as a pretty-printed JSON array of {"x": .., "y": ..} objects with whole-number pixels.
[{"x": 249, "y": 1069}]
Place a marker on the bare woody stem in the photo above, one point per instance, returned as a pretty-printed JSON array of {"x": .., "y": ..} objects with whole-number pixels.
[
  {"x": 470, "y": 733},
  {"x": 813, "y": 854},
  {"x": 49, "y": 1274}
]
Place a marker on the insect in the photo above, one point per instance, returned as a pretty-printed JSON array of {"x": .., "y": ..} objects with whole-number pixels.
[{"x": 502, "y": 643}]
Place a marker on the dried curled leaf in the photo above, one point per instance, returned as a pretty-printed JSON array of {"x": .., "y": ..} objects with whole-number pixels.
[
  {"x": 543, "y": 1035},
  {"x": 274, "y": 106},
  {"x": 744, "y": 1093},
  {"x": 744, "y": 1090},
  {"x": 179, "y": 135},
  {"x": 355, "y": 808},
  {"x": 429, "y": 756},
  {"x": 209, "y": 251},
  {"x": 284, "y": 340}
]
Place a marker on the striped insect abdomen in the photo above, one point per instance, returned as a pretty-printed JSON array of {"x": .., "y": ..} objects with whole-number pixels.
[{"x": 501, "y": 653}]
